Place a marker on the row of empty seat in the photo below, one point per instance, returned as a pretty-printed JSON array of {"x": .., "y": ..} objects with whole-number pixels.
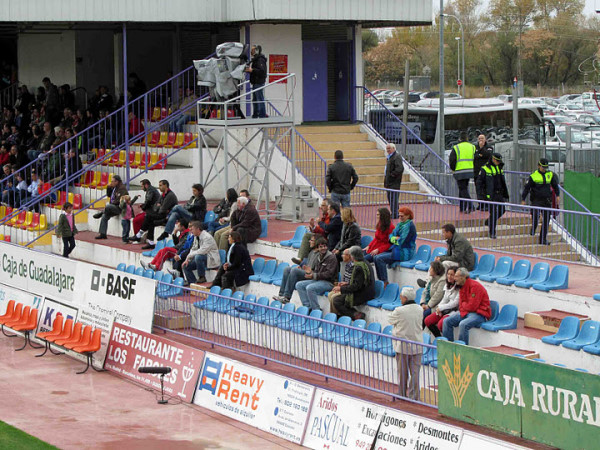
[
  {"x": 167, "y": 286},
  {"x": 137, "y": 159},
  {"x": 569, "y": 335},
  {"x": 25, "y": 220}
]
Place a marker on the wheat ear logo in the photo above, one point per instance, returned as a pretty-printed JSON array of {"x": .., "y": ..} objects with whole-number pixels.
[{"x": 457, "y": 380}]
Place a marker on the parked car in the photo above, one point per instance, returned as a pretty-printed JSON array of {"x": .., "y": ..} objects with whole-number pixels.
[{"x": 505, "y": 98}]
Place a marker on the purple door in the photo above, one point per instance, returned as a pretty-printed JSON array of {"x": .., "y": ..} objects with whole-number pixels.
[{"x": 314, "y": 84}]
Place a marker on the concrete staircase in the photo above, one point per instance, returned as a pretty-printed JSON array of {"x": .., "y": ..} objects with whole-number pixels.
[{"x": 368, "y": 160}]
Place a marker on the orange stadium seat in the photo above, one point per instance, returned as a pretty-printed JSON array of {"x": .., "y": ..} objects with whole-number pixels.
[
  {"x": 18, "y": 316},
  {"x": 85, "y": 338},
  {"x": 66, "y": 333},
  {"x": 10, "y": 310},
  {"x": 27, "y": 325},
  {"x": 90, "y": 349},
  {"x": 74, "y": 336}
]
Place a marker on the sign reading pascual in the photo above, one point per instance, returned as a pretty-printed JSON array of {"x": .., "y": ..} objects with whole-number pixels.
[{"x": 538, "y": 401}]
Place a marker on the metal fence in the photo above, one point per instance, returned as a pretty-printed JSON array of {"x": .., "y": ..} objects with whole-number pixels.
[{"x": 313, "y": 345}]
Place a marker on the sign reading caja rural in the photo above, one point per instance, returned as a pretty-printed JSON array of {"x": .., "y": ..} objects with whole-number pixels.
[{"x": 537, "y": 401}]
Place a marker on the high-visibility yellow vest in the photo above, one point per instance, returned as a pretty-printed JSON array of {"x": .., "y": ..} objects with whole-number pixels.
[
  {"x": 465, "y": 153},
  {"x": 492, "y": 170},
  {"x": 538, "y": 177}
]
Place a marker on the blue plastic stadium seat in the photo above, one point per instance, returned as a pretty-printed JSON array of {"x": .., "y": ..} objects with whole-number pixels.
[
  {"x": 341, "y": 335},
  {"x": 260, "y": 312},
  {"x": 210, "y": 301},
  {"x": 298, "y": 235},
  {"x": 284, "y": 321},
  {"x": 312, "y": 325},
  {"x": 597, "y": 297},
  {"x": 426, "y": 350},
  {"x": 277, "y": 277},
  {"x": 216, "y": 300},
  {"x": 257, "y": 266},
  {"x": 559, "y": 279},
  {"x": 176, "y": 289},
  {"x": 422, "y": 255},
  {"x": 506, "y": 320},
  {"x": 264, "y": 227},
  {"x": 356, "y": 338},
  {"x": 223, "y": 256},
  {"x": 158, "y": 275},
  {"x": 224, "y": 303},
  {"x": 158, "y": 247},
  {"x": 121, "y": 267},
  {"x": 378, "y": 289},
  {"x": 245, "y": 310},
  {"x": 365, "y": 241},
  {"x": 503, "y": 269},
  {"x": 433, "y": 355},
  {"x": 539, "y": 274},
  {"x": 418, "y": 295},
  {"x": 139, "y": 271},
  {"x": 485, "y": 266},
  {"x": 210, "y": 216},
  {"x": 130, "y": 269},
  {"x": 568, "y": 329},
  {"x": 438, "y": 251},
  {"x": 163, "y": 286},
  {"x": 268, "y": 271},
  {"x": 233, "y": 305},
  {"x": 495, "y": 307},
  {"x": 594, "y": 348},
  {"x": 273, "y": 313},
  {"x": 371, "y": 341},
  {"x": 299, "y": 321},
  {"x": 588, "y": 335},
  {"x": 148, "y": 273},
  {"x": 328, "y": 327},
  {"x": 520, "y": 272},
  {"x": 397, "y": 302},
  {"x": 385, "y": 343},
  {"x": 389, "y": 295}
]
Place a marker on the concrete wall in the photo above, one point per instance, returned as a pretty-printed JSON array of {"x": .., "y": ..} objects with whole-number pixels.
[{"x": 51, "y": 55}]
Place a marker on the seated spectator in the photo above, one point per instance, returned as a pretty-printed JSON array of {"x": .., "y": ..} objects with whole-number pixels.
[
  {"x": 135, "y": 125},
  {"x": 383, "y": 229},
  {"x": 45, "y": 142},
  {"x": 313, "y": 228},
  {"x": 36, "y": 137},
  {"x": 473, "y": 307},
  {"x": 222, "y": 212},
  {"x": 222, "y": 235},
  {"x": 190, "y": 114},
  {"x": 318, "y": 278},
  {"x": 67, "y": 119},
  {"x": 4, "y": 154},
  {"x": 333, "y": 229},
  {"x": 150, "y": 199},
  {"x": 73, "y": 165},
  {"x": 346, "y": 276},
  {"x": 114, "y": 192},
  {"x": 8, "y": 192},
  {"x": 360, "y": 289},
  {"x": 182, "y": 253},
  {"x": 460, "y": 251},
  {"x": 237, "y": 269},
  {"x": 403, "y": 240},
  {"x": 17, "y": 158},
  {"x": 246, "y": 221},
  {"x": 449, "y": 304},
  {"x": 350, "y": 233},
  {"x": 157, "y": 216},
  {"x": 14, "y": 137},
  {"x": 433, "y": 288},
  {"x": 179, "y": 239},
  {"x": 291, "y": 275},
  {"x": 407, "y": 320},
  {"x": 203, "y": 254},
  {"x": 194, "y": 209}
]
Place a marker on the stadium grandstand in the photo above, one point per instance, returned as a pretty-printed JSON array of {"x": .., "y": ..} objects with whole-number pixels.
[{"x": 96, "y": 233}]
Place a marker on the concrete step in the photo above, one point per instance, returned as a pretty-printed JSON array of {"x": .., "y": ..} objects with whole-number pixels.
[
  {"x": 482, "y": 231},
  {"x": 22, "y": 237},
  {"x": 349, "y": 155},
  {"x": 324, "y": 146},
  {"x": 549, "y": 320},
  {"x": 406, "y": 186},
  {"x": 320, "y": 129},
  {"x": 369, "y": 199},
  {"x": 520, "y": 240},
  {"x": 341, "y": 138}
]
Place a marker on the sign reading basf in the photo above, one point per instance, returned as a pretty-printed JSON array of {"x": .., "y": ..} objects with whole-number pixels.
[
  {"x": 264, "y": 400},
  {"x": 129, "y": 349},
  {"x": 340, "y": 422},
  {"x": 8, "y": 293}
]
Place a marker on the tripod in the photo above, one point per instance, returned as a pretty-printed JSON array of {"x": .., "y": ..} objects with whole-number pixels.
[{"x": 162, "y": 400}]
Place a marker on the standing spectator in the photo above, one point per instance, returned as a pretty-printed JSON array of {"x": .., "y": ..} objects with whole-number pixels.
[
  {"x": 136, "y": 86},
  {"x": 66, "y": 229},
  {"x": 150, "y": 199},
  {"x": 237, "y": 269},
  {"x": 449, "y": 304},
  {"x": 291, "y": 275},
  {"x": 246, "y": 221},
  {"x": 492, "y": 182},
  {"x": 105, "y": 100},
  {"x": 333, "y": 229},
  {"x": 394, "y": 169},
  {"x": 40, "y": 95},
  {"x": 541, "y": 184},
  {"x": 318, "y": 278},
  {"x": 473, "y": 307},
  {"x": 483, "y": 153},
  {"x": 403, "y": 240},
  {"x": 407, "y": 320},
  {"x": 383, "y": 229},
  {"x": 433, "y": 291},
  {"x": 203, "y": 254},
  {"x": 51, "y": 101},
  {"x": 126, "y": 215},
  {"x": 350, "y": 233},
  {"x": 461, "y": 162},
  {"x": 359, "y": 290},
  {"x": 114, "y": 192},
  {"x": 179, "y": 239},
  {"x": 194, "y": 209},
  {"x": 66, "y": 99},
  {"x": 258, "y": 75},
  {"x": 313, "y": 228},
  {"x": 460, "y": 251},
  {"x": 341, "y": 179}
]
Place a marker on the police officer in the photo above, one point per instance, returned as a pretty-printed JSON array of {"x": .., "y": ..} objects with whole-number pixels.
[
  {"x": 461, "y": 162},
  {"x": 492, "y": 182},
  {"x": 483, "y": 153},
  {"x": 540, "y": 184}
]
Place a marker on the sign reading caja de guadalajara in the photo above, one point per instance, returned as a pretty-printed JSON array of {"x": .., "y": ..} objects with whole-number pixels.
[
  {"x": 129, "y": 349},
  {"x": 270, "y": 402}
]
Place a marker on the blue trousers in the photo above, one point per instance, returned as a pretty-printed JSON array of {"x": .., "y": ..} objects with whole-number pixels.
[
  {"x": 381, "y": 262},
  {"x": 309, "y": 290},
  {"x": 290, "y": 278},
  {"x": 178, "y": 212},
  {"x": 258, "y": 101},
  {"x": 471, "y": 320},
  {"x": 341, "y": 199},
  {"x": 198, "y": 263}
]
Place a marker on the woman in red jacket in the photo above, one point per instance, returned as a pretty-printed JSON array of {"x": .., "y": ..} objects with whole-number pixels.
[{"x": 384, "y": 228}]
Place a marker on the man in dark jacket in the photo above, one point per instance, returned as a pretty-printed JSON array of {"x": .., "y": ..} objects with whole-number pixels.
[
  {"x": 394, "y": 169},
  {"x": 194, "y": 209},
  {"x": 319, "y": 277},
  {"x": 150, "y": 199},
  {"x": 258, "y": 76},
  {"x": 246, "y": 221},
  {"x": 459, "y": 251},
  {"x": 492, "y": 182},
  {"x": 238, "y": 266},
  {"x": 359, "y": 290},
  {"x": 333, "y": 228},
  {"x": 483, "y": 153},
  {"x": 158, "y": 214},
  {"x": 341, "y": 179},
  {"x": 114, "y": 192}
]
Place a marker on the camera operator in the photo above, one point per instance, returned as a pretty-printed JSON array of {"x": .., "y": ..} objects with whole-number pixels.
[{"x": 257, "y": 69}]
